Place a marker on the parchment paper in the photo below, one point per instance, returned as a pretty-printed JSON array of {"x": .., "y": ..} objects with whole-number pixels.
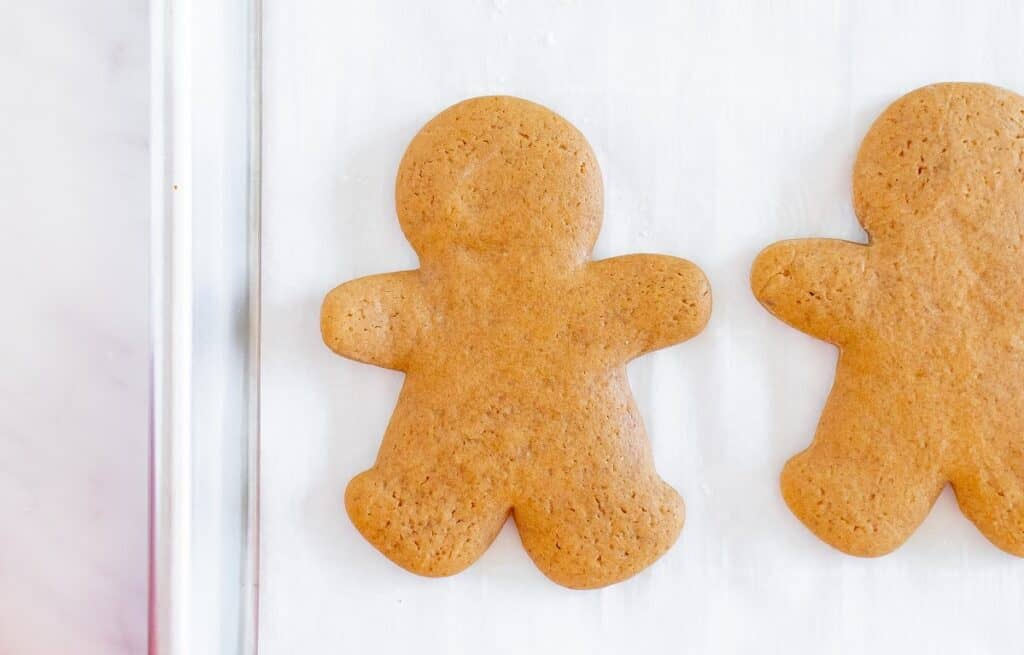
[{"x": 720, "y": 127}]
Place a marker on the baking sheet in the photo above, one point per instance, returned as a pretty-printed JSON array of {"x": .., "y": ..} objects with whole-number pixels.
[{"x": 720, "y": 127}]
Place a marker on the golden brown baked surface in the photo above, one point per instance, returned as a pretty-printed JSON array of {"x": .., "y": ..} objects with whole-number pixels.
[
  {"x": 929, "y": 319},
  {"x": 514, "y": 346}
]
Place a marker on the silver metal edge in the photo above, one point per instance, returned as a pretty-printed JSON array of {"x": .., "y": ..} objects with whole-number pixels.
[
  {"x": 250, "y": 574},
  {"x": 171, "y": 302},
  {"x": 171, "y": 324}
]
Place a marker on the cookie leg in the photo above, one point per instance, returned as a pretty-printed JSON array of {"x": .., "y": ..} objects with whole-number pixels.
[
  {"x": 595, "y": 534},
  {"x": 864, "y": 496},
  {"x": 426, "y": 521},
  {"x": 991, "y": 494}
]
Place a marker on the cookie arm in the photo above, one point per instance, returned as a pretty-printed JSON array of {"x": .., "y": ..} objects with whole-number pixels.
[
  {"x": 815, "y": 285},
  {"x": 654, "y": 300},
  {"x": 374, "y": 319}
]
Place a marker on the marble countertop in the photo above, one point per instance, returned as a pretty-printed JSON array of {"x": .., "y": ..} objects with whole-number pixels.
[{"x": 74, "y": 186}]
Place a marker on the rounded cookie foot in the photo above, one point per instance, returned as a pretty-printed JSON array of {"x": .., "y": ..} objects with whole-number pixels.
[
  {"x": 860, "y": 504},
  {"x": 423, "y": 521},
  {"x": 991, "y": 495},
  {"x": 592, "y": 536}
]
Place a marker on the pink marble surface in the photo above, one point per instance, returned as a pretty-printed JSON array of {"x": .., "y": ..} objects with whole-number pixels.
[{"x": 74, "y": 84}]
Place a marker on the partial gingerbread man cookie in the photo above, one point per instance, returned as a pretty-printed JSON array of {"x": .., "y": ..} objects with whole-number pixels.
[
  {"x": 929, "y": 319},
  {"x": 514, "y": 345}
]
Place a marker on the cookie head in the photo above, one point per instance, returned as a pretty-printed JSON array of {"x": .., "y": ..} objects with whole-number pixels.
[
  {"x": 495, "y": 173},
  {"x": 947, "y": 156}
]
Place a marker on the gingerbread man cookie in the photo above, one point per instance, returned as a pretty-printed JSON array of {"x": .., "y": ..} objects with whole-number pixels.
[
  {"x": 514, "y": 345},
  {"x": 929, "y": 319}
]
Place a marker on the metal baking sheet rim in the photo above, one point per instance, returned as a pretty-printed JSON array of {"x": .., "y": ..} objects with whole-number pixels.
[{"x": 176, "y": 273}]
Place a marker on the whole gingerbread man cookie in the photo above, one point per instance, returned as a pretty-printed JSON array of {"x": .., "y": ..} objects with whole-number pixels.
[
  {"x": 514, "y": 346},
  {"x": 929, "y": 319}
]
